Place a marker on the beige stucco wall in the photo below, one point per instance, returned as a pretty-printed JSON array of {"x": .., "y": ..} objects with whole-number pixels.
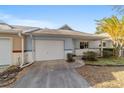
[
  {"x": 15, "y": 39},
  {"x": 17, "y": 43}
]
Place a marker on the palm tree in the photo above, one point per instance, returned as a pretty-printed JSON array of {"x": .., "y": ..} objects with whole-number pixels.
[
  {"x": 115, "y": 28},
  {"x": 119, "y": 9}
]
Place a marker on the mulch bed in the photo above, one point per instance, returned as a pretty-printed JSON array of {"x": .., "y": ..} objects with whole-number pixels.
[
  {"x": 103, "y": 76},
  {"x": 7, "y": 83},
  {"x": 8, "y": 76}
]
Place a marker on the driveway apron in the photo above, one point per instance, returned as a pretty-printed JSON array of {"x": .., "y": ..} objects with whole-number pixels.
[{"x": 51, "y": 75}]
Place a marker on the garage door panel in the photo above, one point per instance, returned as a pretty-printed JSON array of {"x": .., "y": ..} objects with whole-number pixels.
[
  {"x": 5, "y": 51},
  {"x": 49, "y": 50}
]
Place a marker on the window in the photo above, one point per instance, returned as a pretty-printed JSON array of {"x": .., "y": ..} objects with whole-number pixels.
[
  {"x": 84, "y": 45},
  {"x": 103, "y": 44}
]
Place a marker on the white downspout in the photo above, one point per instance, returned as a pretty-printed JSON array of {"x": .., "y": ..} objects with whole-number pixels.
[{"x": 22, "y": 48}]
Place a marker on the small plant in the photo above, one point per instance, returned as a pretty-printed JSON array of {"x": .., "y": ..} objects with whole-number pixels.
[
  {"x": 90, "y": 56},
  {"x": 70, "y": 57}
]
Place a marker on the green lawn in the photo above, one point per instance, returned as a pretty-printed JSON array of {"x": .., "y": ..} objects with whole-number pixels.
[{"x": 107, "y": 61}]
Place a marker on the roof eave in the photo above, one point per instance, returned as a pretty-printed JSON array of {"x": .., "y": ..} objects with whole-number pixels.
[
  {"x": 86, "y": 37},
  {"x": 10, "y": 31}
]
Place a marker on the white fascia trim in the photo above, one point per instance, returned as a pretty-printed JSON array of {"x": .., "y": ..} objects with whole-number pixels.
[{"x": 31, "y": 30}]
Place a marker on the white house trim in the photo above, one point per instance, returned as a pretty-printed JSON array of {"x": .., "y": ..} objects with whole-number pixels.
[
  {"x": 33, "y": 49},
  {"x": 22, "y": 48},
  {"x": 101, "y": 48},
  {"x": 22, "y": 39}
]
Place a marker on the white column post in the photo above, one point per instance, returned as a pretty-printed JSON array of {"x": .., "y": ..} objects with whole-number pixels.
[
  {"x": 101, "y": 50},
  {"x": 22, "y": 40},
  {"x": 32, "y": 40},
  {"x": 32, "y": 49}
]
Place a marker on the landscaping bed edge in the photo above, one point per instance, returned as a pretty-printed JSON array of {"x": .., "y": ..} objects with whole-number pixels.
[{"x": 104, "y": 65}]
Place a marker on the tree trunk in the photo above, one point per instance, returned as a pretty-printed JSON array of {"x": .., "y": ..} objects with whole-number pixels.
[
  {"x": 117, "y": 52},
  {"x": 120, "y": 54}
]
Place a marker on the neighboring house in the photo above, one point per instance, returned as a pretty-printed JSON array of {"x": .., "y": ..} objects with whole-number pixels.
[
  {"x": 22, "y": 44},
  {"x": 11, "y": 43}
]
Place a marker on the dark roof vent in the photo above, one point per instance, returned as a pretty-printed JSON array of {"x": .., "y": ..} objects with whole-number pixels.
[{"x": 66, "y": 27}]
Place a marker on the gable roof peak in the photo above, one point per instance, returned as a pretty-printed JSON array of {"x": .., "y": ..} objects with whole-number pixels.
[{"x": 66, "y": 27}]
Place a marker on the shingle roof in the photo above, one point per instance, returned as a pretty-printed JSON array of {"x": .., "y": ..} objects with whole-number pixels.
[
  {"x": 5, "y": 28},
  {"x": 108, "y": 37},
  {"x": 5, "y": 24},
  {"x": 68, "y": 33},
  {"x": 22, "y": 27},
  {"x": 62, "y": 31},
  {"x": 65, "y": 27}
]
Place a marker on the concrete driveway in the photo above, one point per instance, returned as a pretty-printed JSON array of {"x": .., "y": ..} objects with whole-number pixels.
[{"x": 52, "y": 74}]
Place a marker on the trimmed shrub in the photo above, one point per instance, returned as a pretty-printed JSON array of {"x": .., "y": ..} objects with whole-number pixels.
[
  {"x": 70, "y": 57},
  {"x": 90, "y": 56}
]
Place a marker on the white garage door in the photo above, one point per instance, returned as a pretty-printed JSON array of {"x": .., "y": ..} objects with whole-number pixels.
[
  {"x": 5, "y": 51},
  {"x": 49, "y": 50}
]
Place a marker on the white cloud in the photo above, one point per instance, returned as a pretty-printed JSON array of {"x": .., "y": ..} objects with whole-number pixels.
[
  {"x": 5, "y": 16},
  {"x": 10, "y": 19}
]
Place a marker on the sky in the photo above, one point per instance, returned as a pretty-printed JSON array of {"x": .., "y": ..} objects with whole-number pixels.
[{"x": 81, "y": 18}]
